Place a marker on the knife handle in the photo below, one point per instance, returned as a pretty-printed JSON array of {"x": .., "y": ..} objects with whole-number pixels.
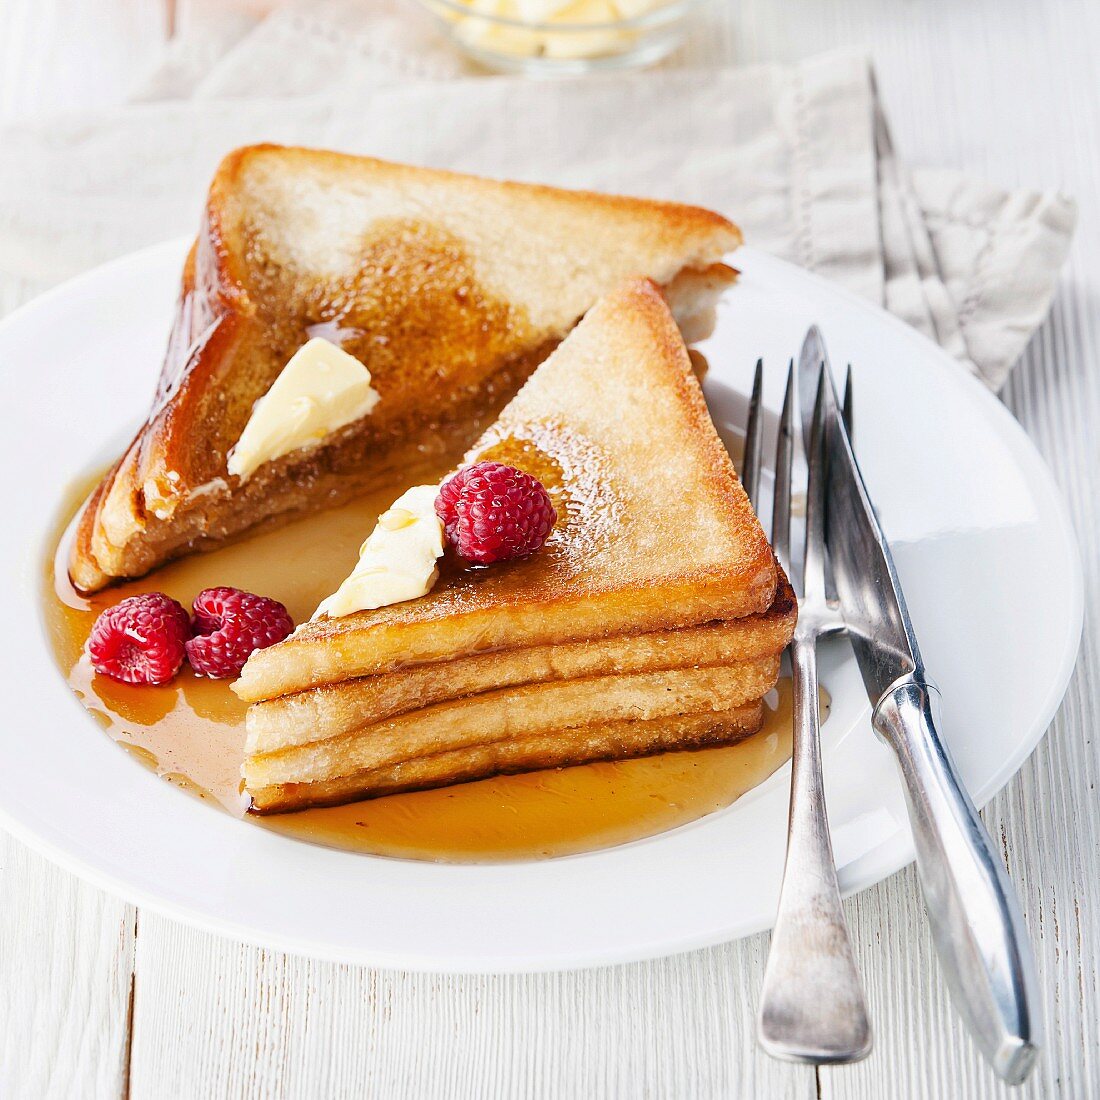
[{"x": 979, "y": 933}]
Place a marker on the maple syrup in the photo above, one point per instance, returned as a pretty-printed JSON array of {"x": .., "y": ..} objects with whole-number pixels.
[{"x": 191, "y": 732}]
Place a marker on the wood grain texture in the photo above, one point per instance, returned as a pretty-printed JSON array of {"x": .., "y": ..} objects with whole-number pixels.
[
  {"x": 67, "y": 954},
  {"x": 213, "y": 1018},
  {"x": 1004, "y": 88},
  {"x": 1034, "y": 122},
  {"x": 66, "y": 949}
]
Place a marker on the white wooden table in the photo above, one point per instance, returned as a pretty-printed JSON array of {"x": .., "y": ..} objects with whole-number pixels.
[{"x": 98, "y": 998}]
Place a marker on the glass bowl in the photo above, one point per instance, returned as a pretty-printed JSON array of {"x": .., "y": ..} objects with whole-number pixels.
[{"x": 584, "y": 36}]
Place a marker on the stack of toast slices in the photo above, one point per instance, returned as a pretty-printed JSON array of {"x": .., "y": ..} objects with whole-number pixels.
[
  {"x": 448, "y": 288},
  {"x": 653, "y": 618}
]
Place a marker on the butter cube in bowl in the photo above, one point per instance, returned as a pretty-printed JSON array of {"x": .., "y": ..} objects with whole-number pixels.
[{"x": 543, "y": 37}]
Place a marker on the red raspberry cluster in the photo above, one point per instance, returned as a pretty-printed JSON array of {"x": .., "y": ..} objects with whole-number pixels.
[
  {"x": 145, "y": 639},
  {"x": 492, "y": 512}
]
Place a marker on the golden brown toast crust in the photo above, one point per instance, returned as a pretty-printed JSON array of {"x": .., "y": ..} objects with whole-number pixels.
[
  {"x": 332, "y": 710},
  {"x": 450, "y": 288},
  {"x": 558, "y": 749},
  {"x": 517, "y": 712},
  {"x": 654, "y": 531}
]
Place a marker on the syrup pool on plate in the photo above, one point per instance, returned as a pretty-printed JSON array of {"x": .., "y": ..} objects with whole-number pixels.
[{"x": 191, "y": 732}]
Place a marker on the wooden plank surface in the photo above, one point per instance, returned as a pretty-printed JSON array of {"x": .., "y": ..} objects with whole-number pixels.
[
  {"x": 251, "y": 1022},
  {"x": 66, "y": 948},
  {"x": 67, "y": 952},
  {"x": 1006, "y": 89}
]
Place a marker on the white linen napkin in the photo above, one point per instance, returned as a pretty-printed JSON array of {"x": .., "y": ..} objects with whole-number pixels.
[{"x": 800, "y": 156}]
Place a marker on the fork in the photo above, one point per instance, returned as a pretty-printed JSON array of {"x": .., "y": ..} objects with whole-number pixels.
[{"x": 811, "y": 1006}]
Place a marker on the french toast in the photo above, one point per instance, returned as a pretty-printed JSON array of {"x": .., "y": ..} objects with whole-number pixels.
[
  {"x": 449, "y": 288},
  {"x": 654, "y": 531},
  {"x": 517, "y": 712},
  {"x": 333, "y": 709},
  {"x": 616, "y": 740},
  {"x": 653, "y": 617}
]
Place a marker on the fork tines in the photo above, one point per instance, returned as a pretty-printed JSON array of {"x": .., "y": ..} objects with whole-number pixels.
[
  {"x": 784, "y": 456},
  {"x": 789, "y": 419},
  {"x": 754, "y": 440}
]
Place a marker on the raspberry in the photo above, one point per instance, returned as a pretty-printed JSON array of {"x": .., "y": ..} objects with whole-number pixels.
[
  {"x": 492, "y": 512},
  {"x": 229, "y": 624},
  {"x": 140, "y": 640}
]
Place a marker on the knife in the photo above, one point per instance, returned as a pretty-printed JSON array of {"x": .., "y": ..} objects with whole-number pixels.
[{"x": 979, "y": 933}]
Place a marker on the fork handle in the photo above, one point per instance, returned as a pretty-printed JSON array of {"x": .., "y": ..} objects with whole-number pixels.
[
  {"x": 811, "y": 1005},
  {"x": 979, "y": 933}
]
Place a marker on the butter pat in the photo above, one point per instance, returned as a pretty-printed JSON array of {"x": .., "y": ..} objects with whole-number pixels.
[
  {"x": 321, "y": 389},
  {"x": 398, "y": 561}
]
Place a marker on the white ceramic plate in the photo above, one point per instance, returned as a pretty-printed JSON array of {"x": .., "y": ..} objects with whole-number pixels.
[{"x": 983, "y": 547}]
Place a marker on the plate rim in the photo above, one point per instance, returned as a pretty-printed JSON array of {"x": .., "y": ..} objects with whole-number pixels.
[{"x": 893, "y": 859}]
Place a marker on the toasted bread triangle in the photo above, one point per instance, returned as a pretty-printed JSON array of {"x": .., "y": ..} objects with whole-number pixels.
[
  {"x": 654, "y": 530},
  {"x": 451, "y": 289}
]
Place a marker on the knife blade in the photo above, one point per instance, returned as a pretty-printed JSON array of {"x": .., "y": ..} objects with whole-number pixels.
[
  {"x": 972, "y": 908},
  {"x": 811, "y": 359},
  {"x": 864, "y": 574}
]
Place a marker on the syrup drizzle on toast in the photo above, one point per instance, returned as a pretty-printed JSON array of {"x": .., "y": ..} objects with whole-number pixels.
[{"x": 191, "y": 732}]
